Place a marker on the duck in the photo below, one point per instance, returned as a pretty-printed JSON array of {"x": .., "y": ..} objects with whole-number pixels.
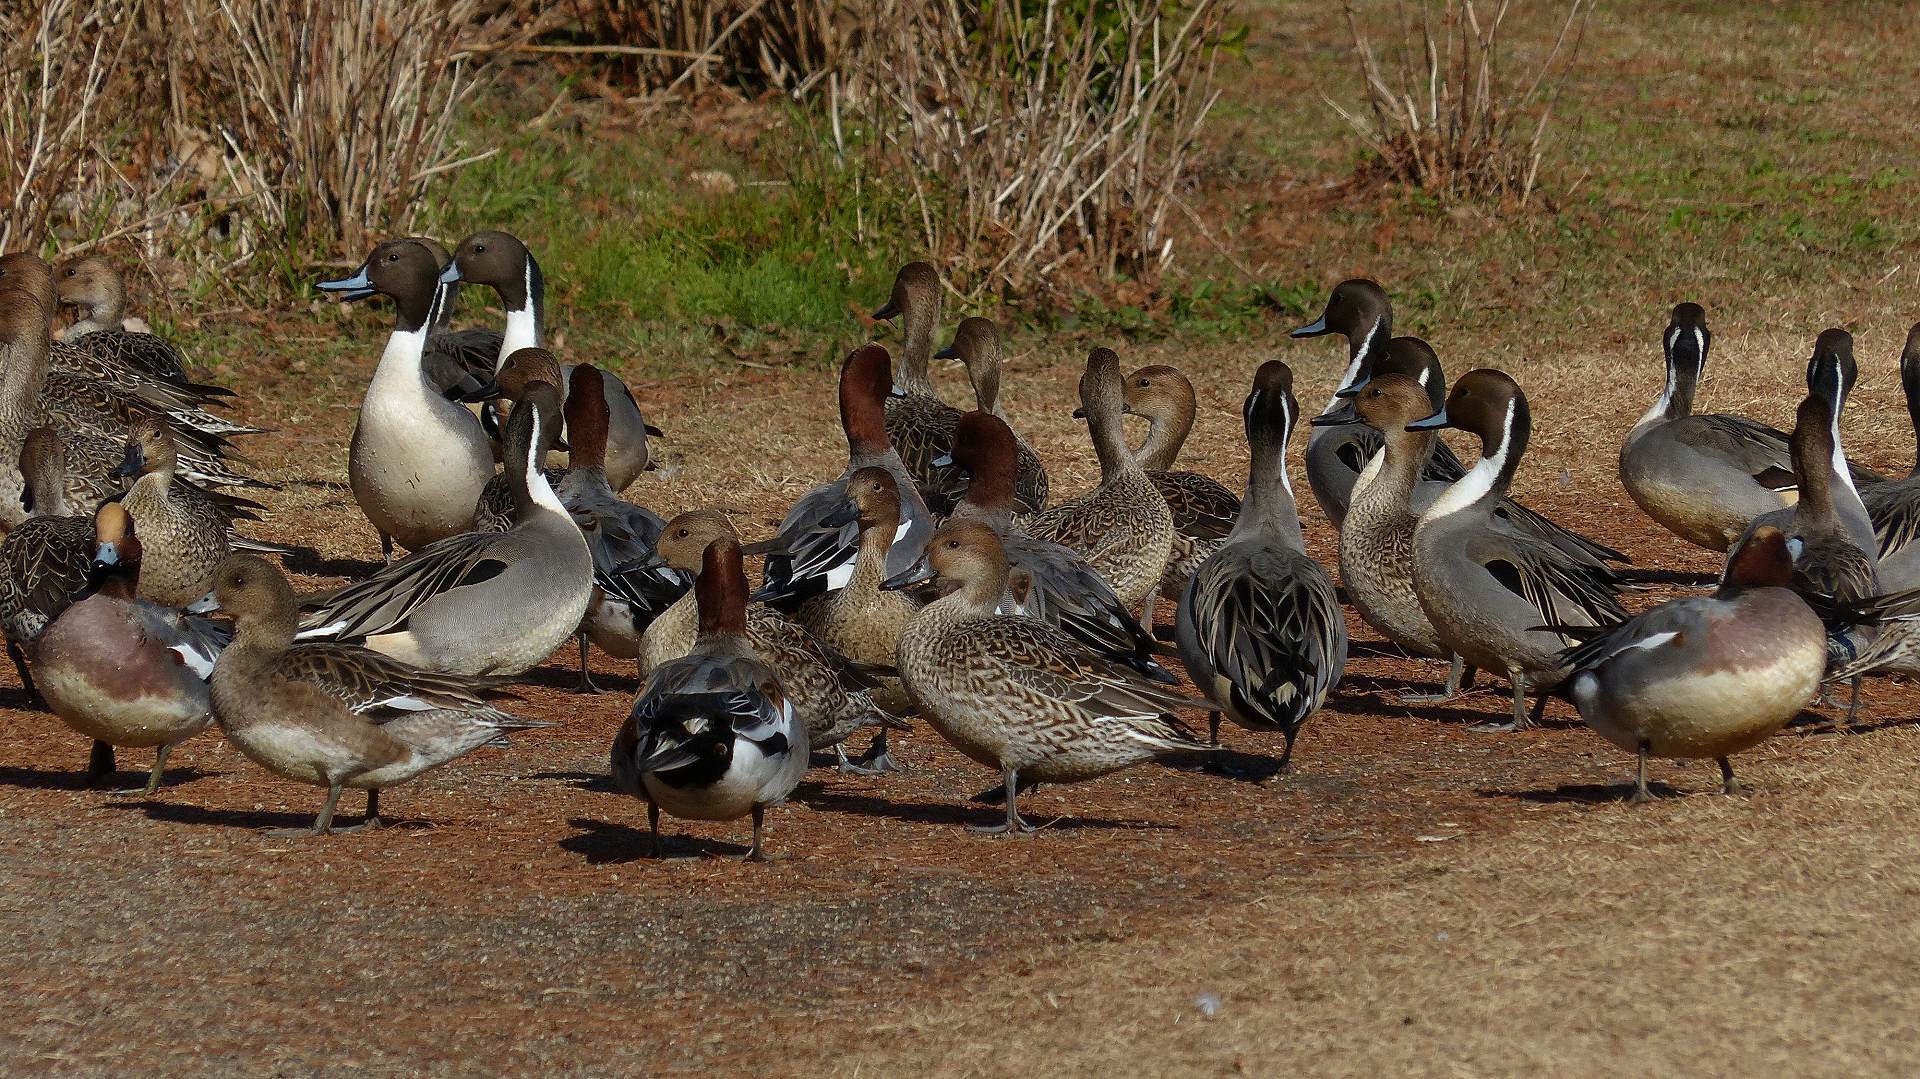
[
  {"x": 1359, "y": 310},
  {"x": 461, "y": 363},
  {"x": 1260, "y": 628},
  {"x": 184, "y": 531},
  {"x": 976, "y": 343},
  {"x": 1704, "y": 477},
  {"x": 1376, "y": 539},
  {"x": 713, "y": 734},
  {"x": 96, "y": 287},
  {"x": 919, "y": 423},
  {"x": 1894, "y": 506},
  {"x": 1015, "y": 694},
  {"x": 331, "y": 714},
  {"x": 818, "y": 682},
  {"x": 1047, "y": 581},
  {"x": 1203, "y": 509},
  {"x": 493, "y": 511},
  {"x": 125, "y": 672},
  {"x": 1705, "y": 676},
  {"x": 502, "y": 262},
  {"x": 807, "y": 556},
  {"x": 1488, "y": 587},
  {"x": 46, "y": 560},
  {"x": 477, "y": 602},
  {"x": 1123, "y": 526},
  {"x": 417, "y": 461},
  {"x": 862, "y": 621}
]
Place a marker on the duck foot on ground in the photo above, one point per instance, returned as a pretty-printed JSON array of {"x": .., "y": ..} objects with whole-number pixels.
[{"x": 877, "y": 759}]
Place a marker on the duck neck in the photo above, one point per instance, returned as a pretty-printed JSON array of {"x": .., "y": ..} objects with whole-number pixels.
[
  {"x": 1110, "y": 443},
  {"x": 527, "y": 319},
  {"x": 1269, "y": 505},
  {"x": 1818, "y": 481},
  {"x": 399, "y": 371},
  {"x": 1487, "y": 481},
  {"x": 921, "y": 317},
  {"x": 532, "y": 494},
  {"x": 1392, "y": 484},
  {"x": 986, "y": 389},
  {"x": 21, "y": 378},
  {"x": 1684, "y": 361},
  {"x": 870, "y": 561},
  {"x": 1166, "y": 436},
  {"x": 268, "y": 633},
  {"x": 1360, "y": 353}
]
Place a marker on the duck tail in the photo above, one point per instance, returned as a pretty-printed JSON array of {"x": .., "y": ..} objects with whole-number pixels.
[{"x": 1166, "y": 733}]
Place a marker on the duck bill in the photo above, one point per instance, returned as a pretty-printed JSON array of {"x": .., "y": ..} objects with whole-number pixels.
[
  {"x": 1353, "y": 390},
  {"x": 489, "y": 392},
  {"x": 1316, "y": 328},
  {"x": 1431, "y": 423},
  {"x": 845, "y": 515},
  {"x": 918, "y": 573},
  {"x": 886, "y": 311},
  {"x": 1080, "y": 413},
  {"x": 131, "y": 463},
  {"x": 1339, "y": 417},
  {"x": 451, "y": 275},
  {"x": 356, "y": 287},
  {"x": 106, "y": 554},
  {"x": 948, "y": 353},
  {"x": 206, "y": 604}
]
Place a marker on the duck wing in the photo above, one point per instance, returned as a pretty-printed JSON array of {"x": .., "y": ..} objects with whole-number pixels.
[
  {"x": 696, "y": 705},
  {"x": 1041, "y": 660},
  {"x": 142, "y": 352},
  {"x": 1269, "y": 625},
  {"x": 1565, "y": 590},
  {"x": 385, "y": 601},
  {"x": 1894, "y": 508},
  {"x": 1065, "y": 592},
  {"x": 809, "y": 556},
  {"x": 921, "y": 429},
  {"x": 47, "y": 561},
  {"x": 1200, "y": 505},
  {"x": 379, "y": 687}
]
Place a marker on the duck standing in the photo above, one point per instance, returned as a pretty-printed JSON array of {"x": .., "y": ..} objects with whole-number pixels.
[
  {"x": 1016, "y": 694},
  {"x": 1203, "y": 510},
  {"x": 919, "y": 423},
  {"x": 713, "y": 735},
  {"x": 1260, "y": 628}
]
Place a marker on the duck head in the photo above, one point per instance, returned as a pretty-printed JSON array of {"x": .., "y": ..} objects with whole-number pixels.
[
  {"x": 249, "y": 590},
  {"x": 865, "y": 380},
  {"x": 985, "y": 449},
  {"x": 402, "y": 269},
  {"x": 499, "y": 261},
  {"x": 964, "y": 554},
  {"x": 92, "y": 284},
  {"x": 916, "y": 300},
  {"x": 114, "y": 543},
  {"x": 976, "y": 343},
  {"x": 1831, "y": 370},
  {"x": 1408, "y": 356},
  {"x": 873, "y": 499},
  {"x": 149, "y": 448},
  {"x": 27, "y": 280},
  {"x": 684, "y": 540},
  {"x": 1765, "y": 560},
  {"x": 1387, "y": 403}
]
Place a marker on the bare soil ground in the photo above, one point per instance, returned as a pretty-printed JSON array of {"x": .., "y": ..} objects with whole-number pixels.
[{"x": 1416, "y": 896}]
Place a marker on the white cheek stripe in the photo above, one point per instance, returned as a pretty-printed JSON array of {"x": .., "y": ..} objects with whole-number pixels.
[{"x": 1478, "y": 482}]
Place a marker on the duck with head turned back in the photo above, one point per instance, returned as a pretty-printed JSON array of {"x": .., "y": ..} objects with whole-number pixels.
[
  {"x": 1123, "y": 526},
  {"x": 1260, "y": 628},
  {"x": 713, "y": 735},
  {"x": 1016, "y": 694},
  {"x": 1203, "y": 510},
  {"x": 96, "y": 286},
  {"x": 1706, "y": 676},
  {"x": 977, "y": 344},
  {"x": 1486, "y": 586},
  {"x": 182, "y": 530},
  {"x": 500, "y": 261},
  {"x": 45, "y": 560},
  {"x": 336, "y": 715},
  {"x": 1894, "y": 506},
  {"x": 919, "y": 423}
]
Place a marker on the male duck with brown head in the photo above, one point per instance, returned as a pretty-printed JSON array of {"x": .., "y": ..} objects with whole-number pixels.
[
  {"x": 1260, "y": 629},
  {"x": 1488, "y": 587},
  {"x": 713, "y": 735},
  {"x": 417, "y": 461},
  {"x": 1709, "y": 676},
  {"x": 1123, "y": 526},
  {"x": 1016, "y": 694},
  {"x": 919, "y": 423},
  {"x": 808, "y": 555},
  {"x": 1203, "y": 509},
  {"x": 122, "y": 671},
  {"x": 500, "y": 261},
  {"x": 336, "y": 715},
  {"x": 977, "y": 344},
  {"x": 1894, "y": 506},
  {"x": 95, "y": 286}
]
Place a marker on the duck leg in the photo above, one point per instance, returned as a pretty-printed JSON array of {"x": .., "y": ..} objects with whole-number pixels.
[
  {"x": 1853, "y": 702},
  {"x": 1014, "y": 824},
  {"x": 153, "y": 777},
  {"x": 1456, "y": 669},
  {"x": 1519, "y": 720},
  {"x": 19, "y": 658},
  {"x": 1640, "y": 791},
  {"x": 386, "y": 549},
  {"x": 1729, "y": 785},
  {"x": 653, "y": 830},
  {"x": 100, "y": 765},
  {"x": 322, "y": 824},
  {"x": 586, "y": 683},
  {"x": 759, "y": 823},
  {"x": 877, "y": 760},
  {"x": 1286, "y": 755}
]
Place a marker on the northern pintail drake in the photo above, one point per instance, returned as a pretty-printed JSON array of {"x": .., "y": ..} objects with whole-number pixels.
[
  {"x": 1123, "y": 526},
  {"x": 1048, "y": 581},
  {"x": 45, "y": 561},
  {"x": 1260, "y": 628},
  {"x": 1705, "y": 676},
  {"x": 336, "y": 715},
  {"x": 95, "y": 286},
  {"x": 1018, "y": 695},
  {"x": 713, "y": 735},
  {"x": 1376, "y": 539},
  {"x": 494, "y": 510},
  {"x": 977, "y": 344},
  {"x": 1894, "y": 506},
  {"x": 1203, "y": 510},
  {"x": 501, "y": 262},
  {"x": 819, "y": 684},
  {"x": 919, "y": 423},
  {"x": 183, "y": 531},
  {"x": 1704, "y": 477},
  {"x": 807, "y": 555},
  {"x": 1358, "y": 310},
  {"x": 122, "y": 671},
  {"x": 477, "y": 602},
  {"x": 462, "y": 363},
  {"x": 1486, "y": 586},
  {"x": 417, "y": 461}
]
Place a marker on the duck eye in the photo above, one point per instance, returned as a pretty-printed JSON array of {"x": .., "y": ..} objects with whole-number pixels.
[
  {"x": 684, "y": 533},
  {"x": 479, "y": 249}
]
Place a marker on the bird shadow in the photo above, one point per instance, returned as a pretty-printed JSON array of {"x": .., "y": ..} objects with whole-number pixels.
[
  {"x": 250, "y": 819},
  {"x": 567, "y": 680},
  {"x": 1581, "y": 793},
  {"x": 821, "y": 798},
  {"x": 1228, "y": 764},
  {"x": 1668, "y": 576},
  {"x": 606, "y": 843},
  {"x": 586, "y": 781},
  {"x": 311, "y": 563},
  {"x": 76, "y": 779}
]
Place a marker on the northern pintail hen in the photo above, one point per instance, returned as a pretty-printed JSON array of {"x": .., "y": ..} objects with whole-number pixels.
[
  {"x": 1203, "y": 510},
  {"x": 818, "y": 682},
  {"x": 1486, "y": 586},
  {"x": 862, "y": 621},
  {"x": 45, "y": 560},
  {"x": 919, "y": 423},
  {"x": 1376, "y": 539},
  {"x": 122, "y": 671},
  {"x": 1123, "y": 526},
  {"x": 477, "y": 602},
  {"x": 1048, "y": 581},
  {"x": 184, "y": 532},
  {"x": 417, "y": 461},
  {"x": 1704, "y": 477},
  {"x": 1894, "y": 506},
  {"x": 95, "y": 286},
  {"x": 1260, "y": 628},
  {"x": 977, "y": 344},
  {"x": 1016, "y": 694},
  {"x": 807, "y": 555},
  {"x": 713, "y": 735},
  {"x": 1705, "y": 676},
  {"x": 500, "y": 261},
  {"x": 335, "y": 715}
]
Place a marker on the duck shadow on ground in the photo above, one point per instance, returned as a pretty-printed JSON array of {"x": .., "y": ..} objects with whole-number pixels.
[
  {"x": 311, "y": 563},
  {"x": 1583, "y": 793},
  {"x": 599, "y": 783},
  {"x": 75, "y": 779},
  {"x": 604, "y": 842},
  {"x": 257, "y": 820},
  {"x": 567, "y": 680},
  {"x": 1228, "y": 764},
  {"x": 956, "y": 814}
]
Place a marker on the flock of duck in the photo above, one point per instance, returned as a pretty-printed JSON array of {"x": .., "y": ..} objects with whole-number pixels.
[{"x": 935, "y": 576}]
